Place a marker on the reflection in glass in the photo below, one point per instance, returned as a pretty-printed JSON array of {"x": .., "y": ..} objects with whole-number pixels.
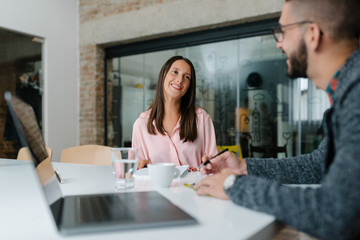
[
  {"x": 256, "y": 110},
  {"x": 20, "y": 73}
]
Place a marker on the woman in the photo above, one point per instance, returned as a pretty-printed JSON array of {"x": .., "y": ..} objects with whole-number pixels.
[{"x": 173, "y": 129}]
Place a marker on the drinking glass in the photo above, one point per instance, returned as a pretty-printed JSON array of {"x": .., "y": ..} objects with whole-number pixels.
[{"x": 124, "y": 161}]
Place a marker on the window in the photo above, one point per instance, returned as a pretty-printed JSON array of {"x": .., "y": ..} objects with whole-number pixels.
[{"x": 241, "y": 83}]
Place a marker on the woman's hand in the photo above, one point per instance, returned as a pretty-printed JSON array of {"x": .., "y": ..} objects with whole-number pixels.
[{"x": 143, "y": 163}]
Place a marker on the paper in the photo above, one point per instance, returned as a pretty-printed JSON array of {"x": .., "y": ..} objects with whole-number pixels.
[{"x": 144, "y": 172}]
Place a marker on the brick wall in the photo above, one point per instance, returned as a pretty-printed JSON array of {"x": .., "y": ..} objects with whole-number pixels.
[
  {"x": 91, "y": 95},
  {"x": 92, "y": 66},
  {"x": 91, "y": 10}
]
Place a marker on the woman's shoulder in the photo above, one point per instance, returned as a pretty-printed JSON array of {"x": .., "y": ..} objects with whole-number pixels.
[
  {"x": 201, "y": 112},
  {"x": 202, "y": 115},
  {"x": 142, "y": 119},
  {"x": 145, "y": 115}
]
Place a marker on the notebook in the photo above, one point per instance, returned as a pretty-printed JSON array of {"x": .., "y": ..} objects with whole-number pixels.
[{"x": 91, "y": 213}]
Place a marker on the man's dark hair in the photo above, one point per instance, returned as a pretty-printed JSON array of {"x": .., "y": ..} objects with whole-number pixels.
[{"x": 338, "y": 18}]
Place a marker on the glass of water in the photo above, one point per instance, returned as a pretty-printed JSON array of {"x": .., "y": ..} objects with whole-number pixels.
[{"x": 124, "y": 162}]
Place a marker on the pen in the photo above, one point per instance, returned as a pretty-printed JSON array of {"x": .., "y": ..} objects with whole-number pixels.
[
  {"x": 208, "y": 161},
  {"x": 191, "y": 186},
  {"x": 58, "y": 176}
]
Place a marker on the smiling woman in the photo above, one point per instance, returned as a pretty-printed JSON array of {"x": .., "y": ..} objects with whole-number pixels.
[
  {"x": 175, "y": 97},
  {"x": 173, "y": 129},
  {"x": 176, "y": 84}
]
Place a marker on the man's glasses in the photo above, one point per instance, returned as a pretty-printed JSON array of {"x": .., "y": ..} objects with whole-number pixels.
[{"x": 278, "y": 32}]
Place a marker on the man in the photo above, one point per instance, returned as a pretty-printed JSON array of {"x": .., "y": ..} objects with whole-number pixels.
[{"x": 321, "y": 40}]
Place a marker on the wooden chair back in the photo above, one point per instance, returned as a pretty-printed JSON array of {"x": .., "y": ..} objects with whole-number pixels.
[
  {"x": 87, "y": 154},
  {"x": 24, "y": 154}
]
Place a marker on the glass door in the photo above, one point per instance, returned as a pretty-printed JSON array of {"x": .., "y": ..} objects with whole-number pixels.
[
  {"x": 256, "y": 110},
  {"x": 20, "y": 73}
]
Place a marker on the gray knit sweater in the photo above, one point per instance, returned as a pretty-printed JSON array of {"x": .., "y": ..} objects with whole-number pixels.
[{"x": 333, "y": 210}]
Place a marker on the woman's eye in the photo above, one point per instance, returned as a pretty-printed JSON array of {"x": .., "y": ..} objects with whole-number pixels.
[
  {"x": 187, "y": 77},
  {"x": 175, "y": 72}
]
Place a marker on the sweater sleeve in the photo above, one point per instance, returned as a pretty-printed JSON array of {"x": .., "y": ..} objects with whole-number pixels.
[
  {"x": 303, "y": 169},
  {"x": 331, "y": 211}
]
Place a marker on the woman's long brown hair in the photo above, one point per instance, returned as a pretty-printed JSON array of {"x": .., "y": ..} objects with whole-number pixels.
[{"x": 188, "y": 130}]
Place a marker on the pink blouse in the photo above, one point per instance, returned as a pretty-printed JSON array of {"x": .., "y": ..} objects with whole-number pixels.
[{"x": 164, "y": 148}]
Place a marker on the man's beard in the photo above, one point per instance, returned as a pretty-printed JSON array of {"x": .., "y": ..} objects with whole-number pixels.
[{"x": 298, "y": 62}]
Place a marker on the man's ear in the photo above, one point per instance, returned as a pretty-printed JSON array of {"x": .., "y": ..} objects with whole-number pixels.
[{"x": 313, "y": 37}]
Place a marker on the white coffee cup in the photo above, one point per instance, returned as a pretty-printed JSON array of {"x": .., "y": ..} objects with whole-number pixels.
[{"x": 162, "y": 174}]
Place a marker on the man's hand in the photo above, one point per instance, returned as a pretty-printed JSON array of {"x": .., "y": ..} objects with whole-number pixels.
[
  {"x": 213, "y": 185},
  {"x": 225, "y": 160}
]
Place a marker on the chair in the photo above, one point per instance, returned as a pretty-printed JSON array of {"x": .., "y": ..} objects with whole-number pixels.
[
  {"x": 24, "y": 154},
  {"x": 87, "y": 154}
]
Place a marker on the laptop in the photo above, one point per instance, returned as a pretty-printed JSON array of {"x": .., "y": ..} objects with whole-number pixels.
[{"x": 91, "y": 213}]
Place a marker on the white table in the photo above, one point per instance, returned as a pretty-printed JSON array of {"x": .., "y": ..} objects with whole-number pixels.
[{"x": 24, "y": 213}]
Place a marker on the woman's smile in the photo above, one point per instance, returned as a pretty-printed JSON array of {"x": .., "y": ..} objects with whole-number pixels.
[
  {"x": 177, "y": 80},
  {"x": 176, "y": 86}
]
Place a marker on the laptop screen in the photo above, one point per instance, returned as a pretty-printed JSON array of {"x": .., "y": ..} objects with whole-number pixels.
[
  {"x": 30, "y": 136},
  {"x": 25, "y": 122}
]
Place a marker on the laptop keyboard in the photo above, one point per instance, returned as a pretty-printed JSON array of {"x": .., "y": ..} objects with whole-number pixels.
[{"x": 101, "y": 209}]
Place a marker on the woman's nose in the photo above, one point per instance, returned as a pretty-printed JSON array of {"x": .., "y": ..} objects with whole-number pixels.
[{"x": 179, "y": 78}]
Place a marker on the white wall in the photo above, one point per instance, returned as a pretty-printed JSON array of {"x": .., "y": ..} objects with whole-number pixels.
[{"x": 57, "y": 22}]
